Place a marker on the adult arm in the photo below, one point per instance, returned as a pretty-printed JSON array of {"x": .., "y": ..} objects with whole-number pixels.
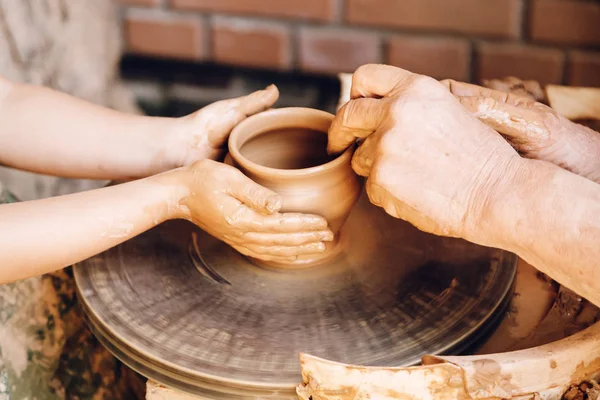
[
  {"x": 550, "y": 218},
  {"x": 432, "y": 163},
  {"x": 52, "y": 133}
]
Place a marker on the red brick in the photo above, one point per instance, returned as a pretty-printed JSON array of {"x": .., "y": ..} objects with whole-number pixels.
[
  {"x": 583, "y": 69},
  {"x": 566, "y": 22},
  {"x": 331, "y": 51},
  {"x": 149, "y": 3},
  {"x": 251, "y": 44},
  {"x": 164, "y": 37},
  {"x": 321, "y": 10},
  {"x": 499, "y": 18},
  {"x": 436, "y": 57},
  {"x": 524, "y": 62}
]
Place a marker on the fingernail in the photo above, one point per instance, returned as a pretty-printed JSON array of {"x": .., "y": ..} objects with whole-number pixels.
[
  {"x": 327, "y": 236},
  {"x": 274, "y": 203},
  {"x": 322, "y": 223},
  {"x": 321, "y": 247}
]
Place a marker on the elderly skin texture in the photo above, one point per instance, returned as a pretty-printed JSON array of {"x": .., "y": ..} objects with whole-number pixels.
[
  {"x": 432, "y": 163},
  {"x": 535, "y": 130}
]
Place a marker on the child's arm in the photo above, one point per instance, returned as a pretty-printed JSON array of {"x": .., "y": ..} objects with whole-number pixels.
[
  {"x": 41, "y": 236},
  {"x": 48, "y": 132}
]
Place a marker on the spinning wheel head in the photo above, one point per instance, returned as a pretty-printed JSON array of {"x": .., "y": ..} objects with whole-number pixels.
[{"x": 190, "y": 312}]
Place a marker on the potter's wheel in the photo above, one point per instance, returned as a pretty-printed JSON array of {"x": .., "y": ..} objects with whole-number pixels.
[{"x": 188, "y": 311}]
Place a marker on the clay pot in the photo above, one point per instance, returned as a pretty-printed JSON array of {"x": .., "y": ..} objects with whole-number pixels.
[{"x": 286, "y": 150}]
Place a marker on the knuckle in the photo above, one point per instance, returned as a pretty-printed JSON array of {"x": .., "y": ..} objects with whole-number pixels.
[
  {"x": 363, "y": 70},
  {"x": 253, "y": 192},
  {"x": 552, "y": 120},
  {"x": 391, "y": 208},
  {"x": 424, "y": 82},
  {"x": 349, "y": 109},
  {"x": 360, "y": 165},
  {"x": 362, "y": 73},
  {"x": 373, "y": 192},
  {"x": 449, "y": 83}
]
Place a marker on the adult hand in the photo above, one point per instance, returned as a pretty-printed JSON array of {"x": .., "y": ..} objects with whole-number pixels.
[
  {"x": 203, "y": 134},
  {"x": 231, "y": 207},
  {"x": 534, "y": 129},
  {"x": 427, "y": 159}
]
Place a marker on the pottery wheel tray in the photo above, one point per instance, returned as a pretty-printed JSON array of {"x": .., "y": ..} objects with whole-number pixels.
[{"x": 188, "y": 311}]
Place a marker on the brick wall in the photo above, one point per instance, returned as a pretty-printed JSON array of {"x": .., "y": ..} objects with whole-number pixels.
[{"x": 553, "y": 41}]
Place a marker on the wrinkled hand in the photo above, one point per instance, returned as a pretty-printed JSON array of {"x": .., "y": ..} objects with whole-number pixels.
[
  {"x": 428, "y": 160},
  {"x": 534, "y": 129},
  {"x": 231, "y": 207},
  {"x": 203, "y": 134},
  {"x": 516, "y": 86}
]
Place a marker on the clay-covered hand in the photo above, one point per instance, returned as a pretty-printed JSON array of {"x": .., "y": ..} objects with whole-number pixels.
[
  {"x": 225, "y": 203},
  {"x": 203, "y": 134},
  {"x": 427, "y": 159},
  {"x": 534, "y": 129}
]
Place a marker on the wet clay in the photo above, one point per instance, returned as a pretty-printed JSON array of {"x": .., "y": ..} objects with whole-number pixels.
[
  {"x": 288, "y": 148},
  {"x": 285, "y": 150}
]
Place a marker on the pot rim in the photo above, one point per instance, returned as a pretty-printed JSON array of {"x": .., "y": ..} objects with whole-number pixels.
[{"x": 234, "y": 147}]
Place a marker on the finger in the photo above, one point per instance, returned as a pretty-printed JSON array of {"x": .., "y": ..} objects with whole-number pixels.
[
  {"x": 376, "y": 80},
  {"x": 287, "y": 251},
  {"x": 236, "y": 110},
  {"x": 284, "y": 223},
  {"x": 265, "y": 257},
  {"x": 288, "y": 239},
  {"x": 256, "y": 102},
  {"x": 462, "y": 89},
  {"x": 253, "y": 195},
  {"x": 465, "y": 89},
  {"x": 380, "y": 197},
  {"x": 356, "y": 119},
  {"x": 509, "y": 120},
  {"x": 364, "y": 156}
]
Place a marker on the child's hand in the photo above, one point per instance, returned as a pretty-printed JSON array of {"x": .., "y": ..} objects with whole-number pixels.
[
  {"x": 51, "y": 133},
  {"x": 231, "y": 207},
  {"x": 203, "y": 134}
]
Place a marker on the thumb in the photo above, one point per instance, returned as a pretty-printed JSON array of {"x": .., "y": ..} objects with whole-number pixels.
[
  {"x": 357, "y": 119},
  {"x": 376, "y": 80},
  {"x": 231, "y": 112},
  {"x": 509, "y": 120},
  {"x": 255, "y": 196},
  {"x": 256, "y": 102}
]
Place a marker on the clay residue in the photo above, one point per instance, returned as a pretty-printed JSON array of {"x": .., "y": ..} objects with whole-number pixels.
[
  {"x": 116, "y": 229},
  {"x": 585, "y": 371},
  {"x": 394, "y": 394},
  {"x": 324, "y": 380},
  {"x": 488, "y": 377},
  {"x": 584, "y": 391},
  {"x": 529, "y": 89}
]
